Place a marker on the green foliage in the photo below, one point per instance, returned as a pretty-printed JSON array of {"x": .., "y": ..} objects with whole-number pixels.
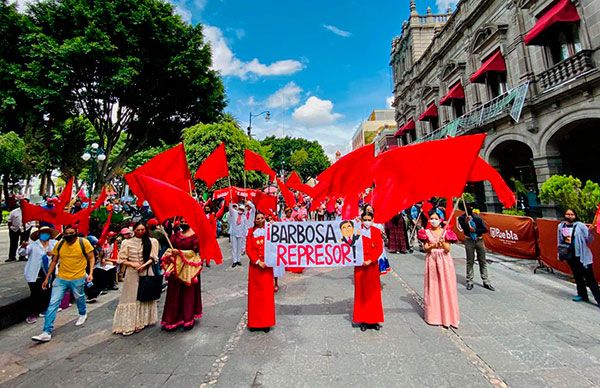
[
  {"x": 132, "y": 68},
  {"x": 513, "y": 212},
  {"x": 12, "y": 151},
  {"x": 519, "y": 186},
  {"x": 468, "y": 197},
  {"x": 306, "y": 157},
  {"x": 202, "y": 139},
  {"x": 567, "y": 193}
]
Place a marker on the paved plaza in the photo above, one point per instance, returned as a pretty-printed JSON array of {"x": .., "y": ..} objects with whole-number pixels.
[{"x": 526, "y": 334}]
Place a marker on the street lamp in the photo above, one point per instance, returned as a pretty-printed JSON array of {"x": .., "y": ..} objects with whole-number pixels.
[
  {"x": 267, "y": 118},
  {"x": 93, "y": 153}
]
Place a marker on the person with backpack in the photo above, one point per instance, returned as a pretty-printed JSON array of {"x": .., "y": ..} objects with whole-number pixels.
[{"x": 73, "y": 255}]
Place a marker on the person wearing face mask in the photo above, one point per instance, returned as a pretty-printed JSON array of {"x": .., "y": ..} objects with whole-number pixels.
[
  {"x": 474, "y": 229},
  {"x": 261, "y": 295},
  {"x": 73, "y": 255},
  {"x": 183, "y": 303},
  {"x": 573, "y": 238},
  {"x": 368, "y": 307},
  {"x": 36, "y": 269},
  {"x": 241, "y": 217},
  {"x": 440, "y": 291}
]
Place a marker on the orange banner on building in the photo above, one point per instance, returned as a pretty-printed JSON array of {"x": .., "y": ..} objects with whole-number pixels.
[
  {"x": 548, "y": 246},
  {"x": 508, "y": 235}
]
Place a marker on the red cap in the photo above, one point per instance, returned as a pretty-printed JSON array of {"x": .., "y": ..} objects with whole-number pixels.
[{"x": 152, "y": 222}]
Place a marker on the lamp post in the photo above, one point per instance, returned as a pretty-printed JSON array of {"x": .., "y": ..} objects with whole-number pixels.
[
  {"x": 94, "y": 153},
  {"x": 267, "y": 118}
]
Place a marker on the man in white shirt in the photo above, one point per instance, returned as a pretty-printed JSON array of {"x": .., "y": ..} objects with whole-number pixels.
[
  {"x": 240, "y": 219},
  {"x": 15, "y": 229}
]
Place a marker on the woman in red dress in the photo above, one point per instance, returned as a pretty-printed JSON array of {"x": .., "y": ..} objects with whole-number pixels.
[
  {"x": 368, "y": 308},
  {"x": 212, "y": 220},
  {"x": 261, "y": 295},
  {"x": 183, "y": 303}
]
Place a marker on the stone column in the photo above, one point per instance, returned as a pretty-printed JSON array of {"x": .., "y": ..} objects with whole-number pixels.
[{"x": 546, "y": 166}]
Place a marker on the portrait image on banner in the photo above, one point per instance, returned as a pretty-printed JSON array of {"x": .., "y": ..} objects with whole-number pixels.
[{"x": 315, "y": 244}]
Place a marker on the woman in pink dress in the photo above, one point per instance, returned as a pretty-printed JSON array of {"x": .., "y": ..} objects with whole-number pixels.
[{"x": 441, "y": 296}]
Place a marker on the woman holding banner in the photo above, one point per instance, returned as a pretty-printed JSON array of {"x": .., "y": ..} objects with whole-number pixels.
[
  {"x": 261, "y": 295},
  {"x": 368, "y": 308},
  {"x": 441, "y": 295},
  {"x": 573, "y": 237}
]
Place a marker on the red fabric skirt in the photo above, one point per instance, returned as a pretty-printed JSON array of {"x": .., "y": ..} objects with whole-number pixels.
[
  {"x": 368, "y": 307},
  {"x": 183, "y": 305},
  {"x": 261, "y": 297}
]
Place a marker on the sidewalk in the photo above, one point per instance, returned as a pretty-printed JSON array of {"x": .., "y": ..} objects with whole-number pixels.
[{"x": 14, "y": 291}]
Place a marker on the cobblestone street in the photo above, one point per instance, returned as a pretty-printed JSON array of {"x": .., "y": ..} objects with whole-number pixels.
[{"x": 528, "y": 333}]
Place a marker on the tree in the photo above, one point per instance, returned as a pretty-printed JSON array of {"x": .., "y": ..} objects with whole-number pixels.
[
  {"x": 201, "y": 140},
  {"x": 306, "y": 157},
  {"x": 567, "y": 193},
  {"x": 133, "y": 68},
  {"x": 12, "y": 150}
]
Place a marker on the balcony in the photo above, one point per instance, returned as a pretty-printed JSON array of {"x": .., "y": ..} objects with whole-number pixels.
[
  {"x": 566, "y": 70},
  {"x": 510, "y": 103}
]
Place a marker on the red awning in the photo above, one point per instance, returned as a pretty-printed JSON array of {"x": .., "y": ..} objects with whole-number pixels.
[
  {"x": 562, "y": 12},
  {"x": 409, "y": 126},
  {"x": 494, "y": 63},
  {"x": 456, "y": 93},
  {"x": 430, "y": 113}
]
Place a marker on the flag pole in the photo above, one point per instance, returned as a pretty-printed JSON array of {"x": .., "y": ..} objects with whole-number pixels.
[
  {"x": 412, "y": 233},
  {"x": 455, "y": 205}
]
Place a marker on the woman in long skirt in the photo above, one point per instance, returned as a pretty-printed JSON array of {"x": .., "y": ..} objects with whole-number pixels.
[
  {"x": 395, "y": 230},
  {"x": 183, "y": 304},
  {"x": 261, "y": 296},
  {"x": 441, "y": 296},
  {"x": 368, "y": 307},
  {"x": 137, "y": 255}
]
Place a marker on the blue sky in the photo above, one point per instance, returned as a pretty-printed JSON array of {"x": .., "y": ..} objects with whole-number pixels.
[{"x": 319, "y": 67}]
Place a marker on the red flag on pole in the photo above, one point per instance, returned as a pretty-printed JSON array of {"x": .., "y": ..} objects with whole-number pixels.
[
  {"x": 105, "y": 230},
  {"x": 265, "y": 203},
  {"x": 482, "y": 171},
  {"x": 295, "y": 183},
  {"x": 255, "y": 162},
  {"x": 53, "y": 216},
  {"x": 288, "y": 196},
  {"x": 65, "y": 195},
  {"x": 168, "y": 201},
  {"x": 597, "y": 220},
  {"x": 214, "y": 167},
  {"x": 81, "y": 194},
  {"x": 406, "y": 175},
  {"x": 169, "y": 166},
  {"x": 100, "y": 200}
]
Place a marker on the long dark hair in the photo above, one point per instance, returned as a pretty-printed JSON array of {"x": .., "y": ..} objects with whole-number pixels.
[
  {"x": 146, "y": 243},
  {"x": 574, "y": 212}
]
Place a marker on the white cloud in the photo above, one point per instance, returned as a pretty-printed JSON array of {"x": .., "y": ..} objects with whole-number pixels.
[
  {"x": 286, "y": 97},
  {"x": 337, "y": 31},
  {"x": 225, "y": 61},
  {"x": 184, "y": 8},
  {"x": 389, "y": 101},
  {"x": 443, "y": 5},
  {"x": 251, "y": 101},
  {"x": 316, "y": 112}
]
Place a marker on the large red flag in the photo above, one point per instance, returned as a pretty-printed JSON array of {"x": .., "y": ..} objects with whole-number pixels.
[
  {"x": 265, "y": 203},
  {"x": 255, "y": 162},
  {"x": 406, "y": 175},
  {"x": 347, "y": 178},
  {"x": 169, "y": 166},
  {"x": 168, "y": 201},
  {"x": 288, "y": 196},
  {"x": 482, "y": 171},
  {"x": 53, "y": 216},
  {"x": 65, "y": 195},
  {"x": 295, "y": 183},
  {"x": 214, "y": 167}
]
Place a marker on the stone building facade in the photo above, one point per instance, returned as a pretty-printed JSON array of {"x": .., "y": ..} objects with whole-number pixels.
[
  {"x": 523, "y": 71},
  {"x": 378, "y": 120}
]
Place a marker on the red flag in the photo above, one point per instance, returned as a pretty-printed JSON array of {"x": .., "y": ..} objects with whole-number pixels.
[
  {"x": 81, "y": 194},
  {"x": 288, "y": 196},
  {"x": 347, "y": 178},
  {"x": 168, "y": 201},
  {"x": 426, "y": 208},
  {"x": 597, "y": 220},
  {"x": 100, "y": 200},
  {"x": 65, "y": 195},
  {"x": 265, "y": 203},
  {"x": 37, "y": 213},
  {"x": 482, "y": 171},
  {"x": 295, "y": 183},
  {"x": 214, "y": 167},
  {"x": 169, "y": 166},
  {"x": 255, "y": 162},
  {"x": 80, "y": 220},
  {"x": 105, "y": 230},
  {"x": 413, "y": 173}
]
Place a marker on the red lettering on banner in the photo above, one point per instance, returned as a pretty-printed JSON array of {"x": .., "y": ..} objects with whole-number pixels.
[
  {"x": 329, "y": 259},
  {"x": 301, "y": 254},
  {"x": 292, "y": 253},
  {"x": 281, "y": 251},
  {"x": 346, "y": 253},
  {"x": 310, "y": 251},
  {"x": 318, "y": 253}
]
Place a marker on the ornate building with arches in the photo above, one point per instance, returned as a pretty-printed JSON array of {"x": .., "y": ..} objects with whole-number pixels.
[{"x": 523, "y": 71}]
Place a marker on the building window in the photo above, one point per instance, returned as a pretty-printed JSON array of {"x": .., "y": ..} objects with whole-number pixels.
[
  {"x": 458, "y": 106},
  {"x": 562, "y": 43},
  {"x": 496, "y": 84},
  {"x": 434, "y": 123}
]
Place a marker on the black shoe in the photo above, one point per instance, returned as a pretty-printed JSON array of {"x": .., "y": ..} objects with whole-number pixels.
[
  {"x": 363, "y": 327},
  {"x": 207, "y": 265},
  {"x": 233, "y": 265},
  {"x": 489, "y": 287},
  {"x": 377, "y": 326},
  {"x": 9, "y": 260},
  {"x": 22, "y": 258},
  {"x": 469, "y": 286},
  {"x": 240, "y": 263},
  {"x": 267, "y": 329}
]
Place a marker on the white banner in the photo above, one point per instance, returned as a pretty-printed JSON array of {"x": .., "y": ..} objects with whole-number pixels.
[{"x": 314, "y": 244}]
